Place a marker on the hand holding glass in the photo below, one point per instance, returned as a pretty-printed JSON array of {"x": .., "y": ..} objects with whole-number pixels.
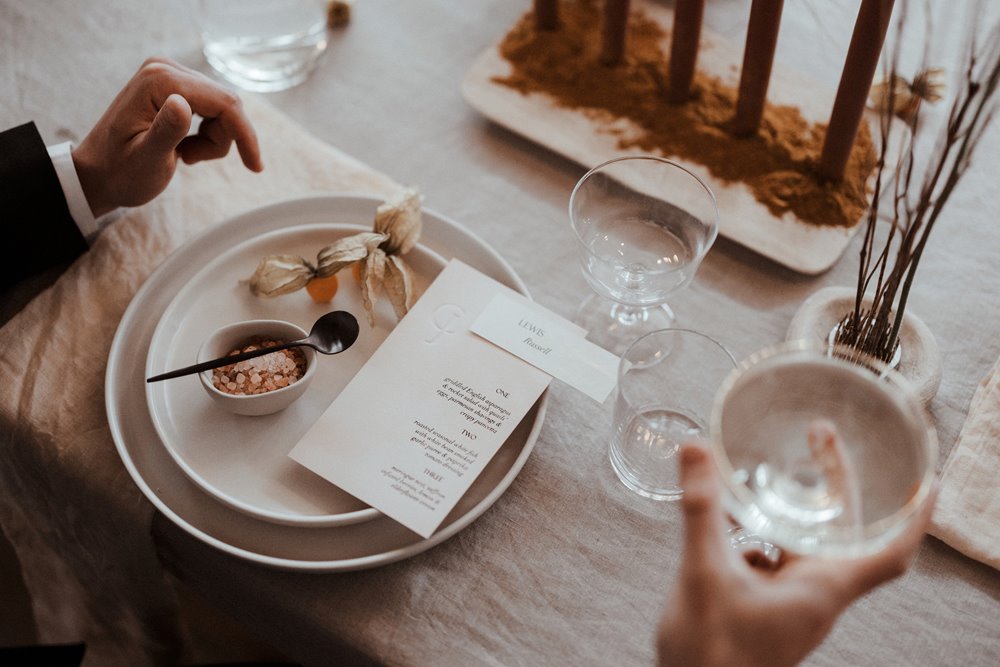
[{"x": 822, "y": 451}]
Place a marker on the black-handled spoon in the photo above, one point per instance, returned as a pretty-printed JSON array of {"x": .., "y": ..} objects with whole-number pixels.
[{"x": 331, "y": 334}]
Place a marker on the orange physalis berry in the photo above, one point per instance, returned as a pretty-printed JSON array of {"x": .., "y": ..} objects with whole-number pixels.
[
  {"x": 356, "y": 270},
  {"x": 322, "y": 290}
]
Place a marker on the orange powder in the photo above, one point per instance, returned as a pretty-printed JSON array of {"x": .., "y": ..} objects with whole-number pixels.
[{"x": 779, "y": 164}]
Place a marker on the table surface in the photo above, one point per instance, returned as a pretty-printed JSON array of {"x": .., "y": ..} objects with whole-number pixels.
[{"x": 567, "y": 566}]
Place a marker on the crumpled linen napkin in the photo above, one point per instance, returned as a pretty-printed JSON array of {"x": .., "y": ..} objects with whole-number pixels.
[
  {"x": 77, "y": 521},
  {"x": 967, "y": 515}
]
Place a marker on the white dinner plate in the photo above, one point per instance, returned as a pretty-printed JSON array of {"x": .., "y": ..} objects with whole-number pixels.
[
  {"x": 183, "y": 501},
  {"x": 243, "y": 461}
]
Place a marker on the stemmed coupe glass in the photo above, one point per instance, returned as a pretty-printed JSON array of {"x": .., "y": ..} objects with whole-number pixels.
[
  {"x": 643, "y": 224},
  {"x": 822, "y": 450}
]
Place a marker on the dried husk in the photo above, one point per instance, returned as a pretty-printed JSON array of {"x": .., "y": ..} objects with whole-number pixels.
[
  {"x": 372, "y": 274},
  {"x": 397, "y": 228},
  {"x": 280, "y": 274},
  {"x": 344, "y": 252},
  {"x": 399, "y": 218},
  {"x": 398, "y": 283}
]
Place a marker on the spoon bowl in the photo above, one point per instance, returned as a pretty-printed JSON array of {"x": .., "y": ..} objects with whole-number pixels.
[{"x": 332, "y": 333}]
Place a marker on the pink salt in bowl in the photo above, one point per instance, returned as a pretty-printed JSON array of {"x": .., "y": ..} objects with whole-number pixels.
[{"x": 232, "y": 336}]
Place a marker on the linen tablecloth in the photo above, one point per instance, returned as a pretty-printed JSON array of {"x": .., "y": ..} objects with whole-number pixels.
[
  {"x": 567, "y": 568},
  {"x": 78, "y": 523}
]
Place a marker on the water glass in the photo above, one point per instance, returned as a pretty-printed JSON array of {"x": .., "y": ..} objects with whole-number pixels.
[
  {"x": 263, "y": 45},
  {"x": 667, "y": 381},
  {"x": 643, "y": 225},
  {"x": 822, "y": 450}
]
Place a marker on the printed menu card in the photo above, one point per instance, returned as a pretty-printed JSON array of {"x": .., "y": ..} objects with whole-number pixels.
[{"x": 418, "y": 423}]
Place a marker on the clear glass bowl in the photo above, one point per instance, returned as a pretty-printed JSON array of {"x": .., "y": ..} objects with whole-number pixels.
[{"x": 822, "y": 450}]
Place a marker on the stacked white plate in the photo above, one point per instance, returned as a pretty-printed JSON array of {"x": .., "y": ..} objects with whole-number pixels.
[{"x": 226, "y": 479}]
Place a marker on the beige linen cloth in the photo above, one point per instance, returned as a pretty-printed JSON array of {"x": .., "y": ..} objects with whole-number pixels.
[
  {"x": 967, "y": 516},
  {"x": 78, "y": 523}
]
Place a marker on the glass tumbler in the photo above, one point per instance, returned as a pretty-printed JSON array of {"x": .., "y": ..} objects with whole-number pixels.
[
  {"x": 667, "y": 381},
  {"x": 263, "y": 45}
]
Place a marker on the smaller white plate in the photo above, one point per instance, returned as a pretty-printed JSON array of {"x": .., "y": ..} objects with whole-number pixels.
[
  {"x": 305, "y": 547},
  {"x": 243, "y": 461}
]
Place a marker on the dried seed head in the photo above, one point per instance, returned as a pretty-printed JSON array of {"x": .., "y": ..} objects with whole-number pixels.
[
  {"x": 338, "y": 13},
  {"x": 904, "y": 97},
  {"x": 280, "y": 274}
]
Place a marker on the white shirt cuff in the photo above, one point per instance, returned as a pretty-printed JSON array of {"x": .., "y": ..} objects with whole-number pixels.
[{"x": 62, "y": 160}]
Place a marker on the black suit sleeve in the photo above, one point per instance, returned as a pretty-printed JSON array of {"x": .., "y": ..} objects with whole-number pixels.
[{"x": 37, "y": 230}]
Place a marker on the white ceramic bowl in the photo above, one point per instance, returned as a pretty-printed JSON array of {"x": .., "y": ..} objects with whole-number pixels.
[{"x": 226, "y": 339}]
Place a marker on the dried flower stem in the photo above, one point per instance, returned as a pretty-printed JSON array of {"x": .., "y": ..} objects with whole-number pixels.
[{"x": 875, "y": 331}]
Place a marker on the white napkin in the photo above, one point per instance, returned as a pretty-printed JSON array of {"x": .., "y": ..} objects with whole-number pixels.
[{"x": 967, "y": 515}]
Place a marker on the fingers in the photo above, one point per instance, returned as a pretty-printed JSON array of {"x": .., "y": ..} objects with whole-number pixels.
[
  {"x": 861, "y": 575},
  {"x": 827, "y": 450},
  {"x": 225, "y": 115},
  {"x": 170, "y": 125},
  {"x": 704, "y": 522},
  {"x": 208, "y": 99},
  {"x": 211, "y": 142}
]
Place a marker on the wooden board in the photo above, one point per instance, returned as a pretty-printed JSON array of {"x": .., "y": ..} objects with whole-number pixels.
[{"x": 803, "y": 247}]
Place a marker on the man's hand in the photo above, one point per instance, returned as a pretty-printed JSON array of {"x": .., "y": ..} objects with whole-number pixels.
[
  {"x": 724, "y": 611},
  {"x": 130, "y": 155}
]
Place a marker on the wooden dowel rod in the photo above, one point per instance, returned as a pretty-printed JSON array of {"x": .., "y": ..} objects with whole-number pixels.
[
  {"x": 684, "y": 48},
  {"x": 613, "y": 31},
  {"x": 546, "y": 14},
  {"x": 855, "y": 82},
  {"x": 758, "y": 56}
]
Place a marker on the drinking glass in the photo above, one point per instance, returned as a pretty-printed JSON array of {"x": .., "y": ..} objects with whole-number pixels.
[
  {"x": 822, "y": 450},
  {"x": 263, "y": 45},
  {"x": 667, "y": 381},
  {"x": 643, "y": 224}
]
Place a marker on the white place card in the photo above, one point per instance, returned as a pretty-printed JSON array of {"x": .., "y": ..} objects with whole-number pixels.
[
  {"x": 419, "y": 422},
  {"x": 548, "y": 342}
]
